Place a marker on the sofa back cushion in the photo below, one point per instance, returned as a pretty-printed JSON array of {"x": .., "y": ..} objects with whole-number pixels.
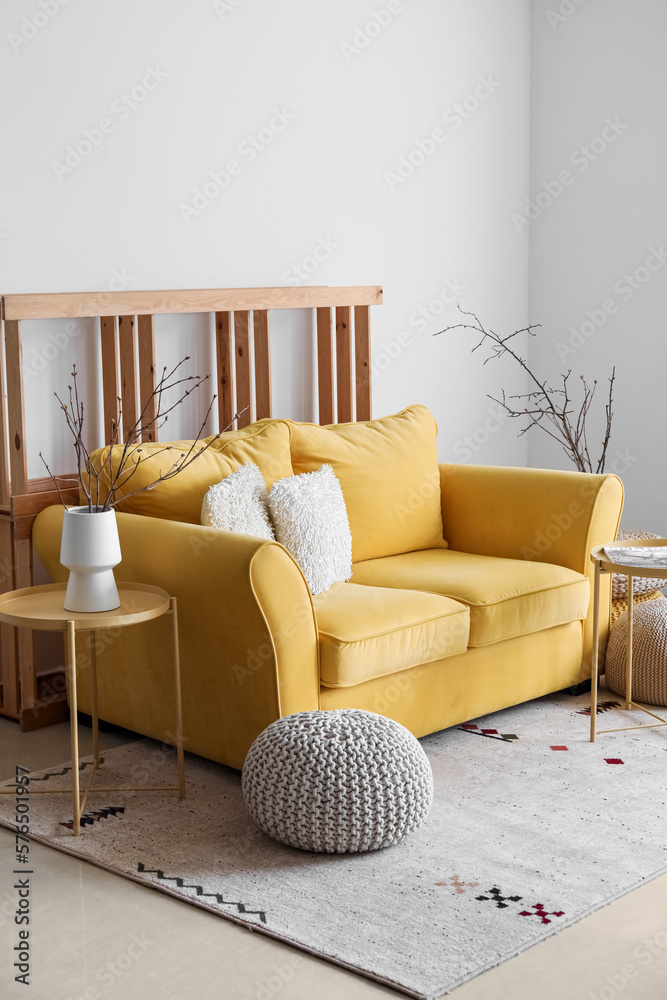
[
  {"x": 388, "y": 472},
  {"x": 266, "y": 443}
]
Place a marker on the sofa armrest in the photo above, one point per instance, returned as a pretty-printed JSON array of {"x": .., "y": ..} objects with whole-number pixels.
[
  {"x": 248, "y": 637},
  {"x": 541, "y": 515},
  {"x": 538, "y": 514}
]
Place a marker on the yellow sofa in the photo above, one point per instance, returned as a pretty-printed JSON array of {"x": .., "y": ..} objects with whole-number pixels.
[{"x": 470, "y": 589}]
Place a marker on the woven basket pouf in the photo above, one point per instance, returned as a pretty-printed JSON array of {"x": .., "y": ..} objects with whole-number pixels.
[
  {"x": 620, "y": 604},
  {"x": 337, "y": 781},
  {"x": 649, "y": 653}
]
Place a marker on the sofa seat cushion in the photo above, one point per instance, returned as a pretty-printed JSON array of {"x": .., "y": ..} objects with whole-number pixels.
[
  {"x": 367, "y": 632},
  {"x": 506, "y": 597}
]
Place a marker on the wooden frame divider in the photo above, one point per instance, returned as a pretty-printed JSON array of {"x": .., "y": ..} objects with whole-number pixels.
[{"x": 128, "y": 372}]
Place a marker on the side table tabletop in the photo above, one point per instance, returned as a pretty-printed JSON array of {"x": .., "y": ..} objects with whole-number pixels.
[
  {"x": 43, "y": 608},
  {"x": 603, "y": 564}
]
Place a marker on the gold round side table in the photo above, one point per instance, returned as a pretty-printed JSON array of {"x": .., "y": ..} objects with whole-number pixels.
[
  {"x": 603, "y": 564},
  {"x": 42, "y": 608}
]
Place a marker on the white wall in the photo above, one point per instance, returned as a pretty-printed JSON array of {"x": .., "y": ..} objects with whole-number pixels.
[
  {"x": 590, "y": 246},
  {"x": 222, "y": 70}
]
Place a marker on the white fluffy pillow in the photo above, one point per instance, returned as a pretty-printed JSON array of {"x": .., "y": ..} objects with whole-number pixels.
[
  {"x": 310, "y": 520},
  {"x": 239, "y": 503}
]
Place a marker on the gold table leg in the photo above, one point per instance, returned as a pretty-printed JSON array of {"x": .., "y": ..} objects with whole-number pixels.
[
  {"x": 596, "y": 648},
  {"x": 180, "y": 762},
  {"x": 628, "y": 651},
  {"x": 70, "y": 663},
  {"x": 93, "y": 698}
]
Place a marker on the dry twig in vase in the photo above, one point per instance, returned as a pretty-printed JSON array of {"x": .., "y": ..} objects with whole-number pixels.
[{"x": 133, "y": 454}]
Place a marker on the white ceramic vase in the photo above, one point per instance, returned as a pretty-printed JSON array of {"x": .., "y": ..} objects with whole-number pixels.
[{"x": 90, "y": 549}]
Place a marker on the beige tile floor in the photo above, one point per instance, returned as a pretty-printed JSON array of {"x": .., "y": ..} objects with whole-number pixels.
[{"x": 100, "y": 937}]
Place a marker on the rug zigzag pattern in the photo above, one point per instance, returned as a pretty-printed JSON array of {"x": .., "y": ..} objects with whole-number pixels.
[
  {"x": 65, "y": 770},
  {"x": 95, "y": 816},
  {"x": 200, "y": 890}
]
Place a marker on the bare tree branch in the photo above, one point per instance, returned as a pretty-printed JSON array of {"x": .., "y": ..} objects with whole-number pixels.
[
  {"x": 550, "y": 409},
  {"x": 91, "y": 476}
]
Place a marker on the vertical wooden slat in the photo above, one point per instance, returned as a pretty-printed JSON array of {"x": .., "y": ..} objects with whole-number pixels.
[
  {"x": 18, "y": 466},
  {"x": 225, "y": 363},
  {"x": 146, "y": 341},
  {"x": 325, "y": 374},
  {"x": 343, "y": 363},
  {"x": 4, "y": 437},
  {"x": 260, "y": 321},
  {"x": 110, "y": 391},
  {"x": 15, "y": 407},
  {"x": 10, "y": 687},
  {"x": 243, "y": 367},
  {"x": 362, "y": 361},
  {"x": 24, "y": 637},
  {"x": 128, "y": 373}
]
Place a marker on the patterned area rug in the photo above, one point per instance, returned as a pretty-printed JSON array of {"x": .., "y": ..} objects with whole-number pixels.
[{"x": 532, "y": 828}]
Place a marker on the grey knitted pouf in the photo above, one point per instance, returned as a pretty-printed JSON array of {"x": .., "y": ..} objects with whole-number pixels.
[
  {"x": 337, "y": 781},
  {"x": 649, "y": 653}
]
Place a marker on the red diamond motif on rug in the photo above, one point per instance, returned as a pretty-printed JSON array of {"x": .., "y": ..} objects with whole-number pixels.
[
  {"x": 558, "y": 748},
  {"x": 541, "y": 913},
  {"x": 613, "y": 760}
]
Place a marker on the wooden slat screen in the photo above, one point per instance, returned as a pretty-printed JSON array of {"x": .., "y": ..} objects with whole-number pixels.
[
  {"x": 362, "y": 361},
  {"x": 18, "y": 465},
  {"x": 260, "y": 319},
  {"x": 110, "y": 387},
  {"x": 147, "y": 377},
  {"x": 344, "y": 393},
  {"x": 243, "y": 370},
  {"x": 128, "y": 373},
  {"x": 62, "y": 305},
  {"x": 128, "y": 351},
  {"x": 325, "y": 366},
  {"x": 9, "y": 674},
  {"x": 224, "y": 350}
]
